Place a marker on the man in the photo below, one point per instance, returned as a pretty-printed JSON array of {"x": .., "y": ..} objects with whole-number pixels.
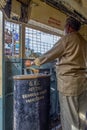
[{"x": 71, "y": 75}]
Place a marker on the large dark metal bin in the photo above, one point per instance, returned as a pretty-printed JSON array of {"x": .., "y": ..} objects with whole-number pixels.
[{"x": 31, "y": 102}]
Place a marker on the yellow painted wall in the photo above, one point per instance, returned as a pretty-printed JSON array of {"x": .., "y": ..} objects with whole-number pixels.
[
  {"x": 41, "y": 12},
  {"x": 16, "y": 9},
  {"x": 83, "y": 31}
]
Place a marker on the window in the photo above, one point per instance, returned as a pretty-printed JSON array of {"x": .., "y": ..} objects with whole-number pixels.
[
  {"x": 37, "y": 42},
  {"x": 11, "y": 39}
]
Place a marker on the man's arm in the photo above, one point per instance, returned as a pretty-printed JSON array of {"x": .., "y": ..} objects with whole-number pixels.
[{"x": 55, "y": 52}]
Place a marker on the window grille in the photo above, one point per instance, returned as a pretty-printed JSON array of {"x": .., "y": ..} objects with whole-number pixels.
[
  {"x": 11, "y": 39},
  {"x": 38, "y": 41}
]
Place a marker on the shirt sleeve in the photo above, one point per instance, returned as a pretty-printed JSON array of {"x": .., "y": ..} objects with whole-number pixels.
[{"x": 56, "y": 52}]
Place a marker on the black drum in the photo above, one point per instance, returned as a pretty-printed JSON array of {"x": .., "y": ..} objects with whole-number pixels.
[{"x": 31, "y": 102}]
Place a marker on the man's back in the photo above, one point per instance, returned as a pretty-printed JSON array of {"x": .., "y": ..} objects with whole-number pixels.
[{"x": 72, "y": 66}]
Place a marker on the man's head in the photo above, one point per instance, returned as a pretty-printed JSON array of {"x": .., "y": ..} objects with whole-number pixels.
[{"x": 72, "y": 25}]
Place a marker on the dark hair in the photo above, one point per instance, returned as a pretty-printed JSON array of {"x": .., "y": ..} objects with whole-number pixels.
[{"x": 73, "y": 23}]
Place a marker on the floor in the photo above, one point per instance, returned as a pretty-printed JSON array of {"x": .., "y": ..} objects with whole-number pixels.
[{"x": 55, "y": 124}]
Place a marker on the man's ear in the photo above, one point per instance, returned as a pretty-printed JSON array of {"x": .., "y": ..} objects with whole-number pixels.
[{"x": 70, "y": 29}]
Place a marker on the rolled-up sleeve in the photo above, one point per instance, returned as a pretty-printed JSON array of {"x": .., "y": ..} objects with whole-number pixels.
[{"x": 53, "y": 53}]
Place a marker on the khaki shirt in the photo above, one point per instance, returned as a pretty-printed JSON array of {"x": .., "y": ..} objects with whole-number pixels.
[{"x": 71, "y": 69}]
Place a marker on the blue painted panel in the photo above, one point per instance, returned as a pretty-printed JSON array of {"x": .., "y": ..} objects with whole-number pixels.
[
  {"x": 0, "y": 113},
  {"x": 12, "y": 67}
]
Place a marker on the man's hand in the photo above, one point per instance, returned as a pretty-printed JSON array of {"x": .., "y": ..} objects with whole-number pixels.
[{"x": 29, "y": 63}]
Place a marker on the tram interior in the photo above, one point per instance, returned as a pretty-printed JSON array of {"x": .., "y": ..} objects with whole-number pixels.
[{"x": 30, "y": 28}]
